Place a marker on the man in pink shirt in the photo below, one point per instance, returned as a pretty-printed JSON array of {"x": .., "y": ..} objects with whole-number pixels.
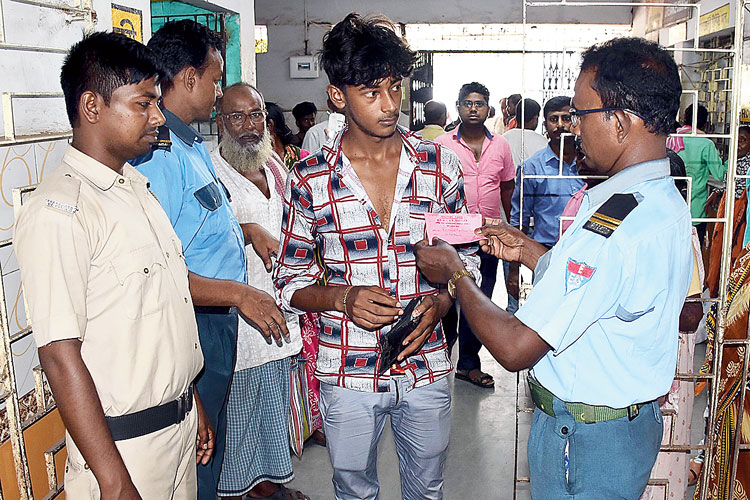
[{"x": 489, "y": 174}]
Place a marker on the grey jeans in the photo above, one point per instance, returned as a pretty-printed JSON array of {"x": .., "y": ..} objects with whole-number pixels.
[{"x": 420, "y": 419}]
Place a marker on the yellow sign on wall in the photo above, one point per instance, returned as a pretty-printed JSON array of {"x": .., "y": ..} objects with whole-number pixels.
[
  {"x": 127, "y": 21},
  {"x": 716, "y": 20}
]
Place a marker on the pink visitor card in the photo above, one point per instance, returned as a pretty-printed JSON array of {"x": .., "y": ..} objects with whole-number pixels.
[{"x": 453, "y": 228}]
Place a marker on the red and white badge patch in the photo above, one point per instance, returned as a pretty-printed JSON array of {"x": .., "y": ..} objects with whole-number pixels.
[{"x": 577, "y": 274}]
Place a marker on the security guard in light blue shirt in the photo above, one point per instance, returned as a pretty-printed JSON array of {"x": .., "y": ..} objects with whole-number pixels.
[
  {"x": 182, "y": 177},
  {"x": 608, "y": 296},
  {"x": 600, "y": 326}
]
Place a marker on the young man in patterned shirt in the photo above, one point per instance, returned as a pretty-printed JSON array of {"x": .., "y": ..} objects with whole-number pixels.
[{"x": 360, "y": 204}]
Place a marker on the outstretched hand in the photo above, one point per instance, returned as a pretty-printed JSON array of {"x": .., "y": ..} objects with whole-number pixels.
[
  {"x": 438, "y": 261},
  {"x": 502, "y": 240}
]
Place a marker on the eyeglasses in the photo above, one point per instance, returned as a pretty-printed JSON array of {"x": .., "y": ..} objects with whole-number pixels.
[
  {"x": 576, "y": 114},
  {"x": 237, "y": 118},
  {"x": 477, "y": 104}
]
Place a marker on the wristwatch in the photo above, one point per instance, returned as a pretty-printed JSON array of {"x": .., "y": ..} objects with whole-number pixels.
[{"x": 452, "y": 282}]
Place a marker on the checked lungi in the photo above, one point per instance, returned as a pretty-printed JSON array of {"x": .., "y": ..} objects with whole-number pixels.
[{"x": 257, "y": 447}]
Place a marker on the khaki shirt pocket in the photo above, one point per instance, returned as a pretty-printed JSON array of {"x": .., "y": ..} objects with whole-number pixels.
[{"x": 140, "y": 273}]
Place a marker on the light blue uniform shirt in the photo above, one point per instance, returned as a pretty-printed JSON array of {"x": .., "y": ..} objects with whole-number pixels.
[
  {"x": 185, "y": 182},
  {"x": 545, "y": 199},
  {"x": 610, "y": 307}
]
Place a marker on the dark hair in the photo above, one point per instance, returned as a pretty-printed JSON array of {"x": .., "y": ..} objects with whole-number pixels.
[
  {"x": 744, "y": 128},
  {"x": 276, "y": 114},
  {"x": 235, "y": 85},
  {"x": 303, "y": 109},
  {"x": 363, "y": 51},
  {"x": 101, "y": 63},
  {"x": 433, "y": 112},
  {"x": 472, "y": 87},
  {"x": 702, "y": 117},
  {"x": 513, "y": 101},
  {"x": 531, "y": 109},
  {"x": 677, "y": 169},
  {"x": 181, "y": 44},
  {"x": 639, "y": 75},
  {"x": 556, "y": 104}
]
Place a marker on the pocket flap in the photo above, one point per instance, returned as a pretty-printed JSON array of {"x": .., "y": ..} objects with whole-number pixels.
[
  {"x": 209, "y": 196},
  {"x": 625, "y": 315},
  {"x": 142, "y": 261}
]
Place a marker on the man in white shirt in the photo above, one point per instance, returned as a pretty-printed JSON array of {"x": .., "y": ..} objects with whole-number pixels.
[
  {"x": 532, "y": 141},
  {"x": 324, "y": 131},
  {"x": 257, "y": 459}
]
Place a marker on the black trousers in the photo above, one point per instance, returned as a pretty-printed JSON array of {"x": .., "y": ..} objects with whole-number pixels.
[{"x": 468, "y": 344}]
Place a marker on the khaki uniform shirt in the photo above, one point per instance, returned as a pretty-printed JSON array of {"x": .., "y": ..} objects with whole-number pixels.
[{"x": 101, "y": 263}]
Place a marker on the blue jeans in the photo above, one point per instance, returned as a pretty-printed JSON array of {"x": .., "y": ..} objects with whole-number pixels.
[
  {"x": 421, "y": 421},
  {"x": 512, "y": 301},
  {"x": 608, "y": 460},
  {"x": 218, "y": 336}
]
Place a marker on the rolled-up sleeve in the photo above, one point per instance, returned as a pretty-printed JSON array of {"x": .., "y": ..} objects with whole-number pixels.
[
  {"x": 54, "y": 256},
  {"x": 297, "y": 266}
]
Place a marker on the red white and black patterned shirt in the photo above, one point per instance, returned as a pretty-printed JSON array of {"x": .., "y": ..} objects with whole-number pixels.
[{"x": 326, "y": 208}]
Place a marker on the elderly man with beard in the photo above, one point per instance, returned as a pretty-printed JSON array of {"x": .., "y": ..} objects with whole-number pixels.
[{"x": 257, "y": 450}]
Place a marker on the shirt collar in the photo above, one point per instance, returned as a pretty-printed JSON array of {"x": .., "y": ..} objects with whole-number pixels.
[
  {"x": 549, "y": 156},
  {"x": 457, "y": 135},
  {"x": 99, "y": 174},
  {"x": 185, "y": 132},
  {"x": 410, "y": 140},
  {"x": 627, "y": 178}
]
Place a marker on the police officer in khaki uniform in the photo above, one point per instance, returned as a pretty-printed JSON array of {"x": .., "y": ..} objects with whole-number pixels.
[{"x": 106, "y": 285}]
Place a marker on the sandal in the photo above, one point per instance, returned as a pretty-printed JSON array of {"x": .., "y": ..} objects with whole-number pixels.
[{"x": 484, "y": 380}]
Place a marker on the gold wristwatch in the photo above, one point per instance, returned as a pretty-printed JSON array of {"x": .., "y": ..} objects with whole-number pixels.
[{"x": 452, "y": 282}]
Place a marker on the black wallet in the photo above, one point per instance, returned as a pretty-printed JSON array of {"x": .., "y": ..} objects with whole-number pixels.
[{"x": 390, "y": 343}]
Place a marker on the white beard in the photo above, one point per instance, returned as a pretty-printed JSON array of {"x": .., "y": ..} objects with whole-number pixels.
[{"x": 246, "y": 158}]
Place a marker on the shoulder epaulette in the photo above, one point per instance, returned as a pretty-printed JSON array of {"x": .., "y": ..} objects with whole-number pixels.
[
  {"x": 611, "y": 214},
  {"x": 63, "y": 197},
  {"x": 163, "y": 141}
]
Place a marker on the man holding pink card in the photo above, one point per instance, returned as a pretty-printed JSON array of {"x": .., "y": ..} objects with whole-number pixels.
[{"x": 489, "y": 173}]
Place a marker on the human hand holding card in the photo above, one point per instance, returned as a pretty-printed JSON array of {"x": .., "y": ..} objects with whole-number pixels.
[{"x": 453, "y": 228}]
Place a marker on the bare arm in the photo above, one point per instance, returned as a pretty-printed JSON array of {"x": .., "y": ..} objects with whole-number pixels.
[
  {"x": 369, "y": 307},
  {"x": 255, "y": 305},
  {"x": 263, "y": 242},
  {"x": 511, "y": 342},
  {"x": 508, "y": 243},
  {"x": 82, "y": 414}
]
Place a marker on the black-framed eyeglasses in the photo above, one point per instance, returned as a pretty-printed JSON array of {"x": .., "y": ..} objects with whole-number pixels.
[
  {"x": 238, "y": 118},
  {"x": 576, "y": 114},
  {"x": 477, "y": 104}
]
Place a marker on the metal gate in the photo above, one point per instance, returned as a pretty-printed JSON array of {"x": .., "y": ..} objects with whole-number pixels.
[{"x": 420, "y": 89}]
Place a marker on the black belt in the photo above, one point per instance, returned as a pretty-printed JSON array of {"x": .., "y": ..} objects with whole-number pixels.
[
  {"x": 213, "y": 309},
  {"x": 152, "y": 419}
]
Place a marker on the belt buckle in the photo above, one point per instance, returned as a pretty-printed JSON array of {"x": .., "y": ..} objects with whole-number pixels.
[
  {"x": 180, "y": 408},
  {"x": 633, "y": 412}
]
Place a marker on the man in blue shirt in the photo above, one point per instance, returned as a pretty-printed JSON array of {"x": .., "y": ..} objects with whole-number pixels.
[
  {"x": 600, "y": 327},
  {"x": 545, "y": 198},
  {"x": 182, "y": 177}
]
